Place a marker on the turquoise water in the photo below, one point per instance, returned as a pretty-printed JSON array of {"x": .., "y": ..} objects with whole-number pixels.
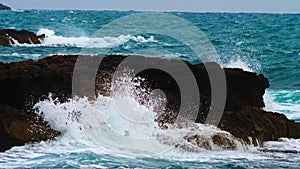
[{"x": 263, "y": 43}]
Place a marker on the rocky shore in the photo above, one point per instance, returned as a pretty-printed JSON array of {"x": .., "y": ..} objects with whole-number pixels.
[{"x": 22, "y": 84}]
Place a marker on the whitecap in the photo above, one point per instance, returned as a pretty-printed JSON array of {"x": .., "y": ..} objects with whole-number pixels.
[{"x": 54, "y": 40}]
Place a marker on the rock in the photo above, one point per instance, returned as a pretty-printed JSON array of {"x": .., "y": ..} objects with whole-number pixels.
[
  {"x": 196, "y": 141},
  {"x": 29, "y": 79},
  {"x": 18, "y": 128},
  {"x": 9, "y": 37},
  {"x": 4, "y": 7},
  {"x": 225, "y": 141},
  {"x": 279, "y": 151},
  {"x": 256, "y": 125},
  {"x": 22, "y": 84}
]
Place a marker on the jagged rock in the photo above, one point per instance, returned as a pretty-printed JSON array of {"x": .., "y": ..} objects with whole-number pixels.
[
  {"x": 22, "y": 84},
  {"x": 4, "y": 7},
  {"x": 9, "y": 37},
  {"x": 18, "y": 128},
  {"x": 256, "y": 125}
]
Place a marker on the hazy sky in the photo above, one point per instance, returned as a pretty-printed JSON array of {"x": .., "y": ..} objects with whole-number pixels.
[{"x": 273, "y": 6}]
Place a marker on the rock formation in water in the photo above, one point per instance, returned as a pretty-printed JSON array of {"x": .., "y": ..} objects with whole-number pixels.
[
  {"x": 9, "y": 37},
  {"x": 4, "y": 7},
  {"x": 18, "y": 128},
  {"x": 22, "y": 84}
]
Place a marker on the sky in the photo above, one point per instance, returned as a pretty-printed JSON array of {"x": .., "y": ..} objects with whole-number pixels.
[{"x": 264, "y": 6}]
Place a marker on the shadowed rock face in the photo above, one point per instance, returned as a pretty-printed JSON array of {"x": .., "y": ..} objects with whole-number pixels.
[
  {"x": 18, "y": 128},
  {"x": 22, "y": 84},
  {"x": 8, "y": 37},
  {"x": 3, "y": 7},
  {"x": 259, "y": 125}
]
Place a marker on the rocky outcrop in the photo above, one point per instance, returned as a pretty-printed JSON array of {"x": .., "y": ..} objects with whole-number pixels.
[
  {"x": 9, "y": 37},
  {"x": 255, "y": 125},
  {"x": 4, "y": 7},
  {"x": 24, "y": 83},
  {"x": 18, "y": 128}
]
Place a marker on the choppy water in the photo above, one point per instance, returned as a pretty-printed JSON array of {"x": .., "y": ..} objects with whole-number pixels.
[{"x": 263, "y": 43}]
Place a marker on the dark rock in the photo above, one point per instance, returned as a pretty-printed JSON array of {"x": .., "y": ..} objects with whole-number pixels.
[
  {"x": 4, "y": 7},
  {"x": 279, "y": 151},
  {"x": 22, "y": 84},
  {"x": 8, "y": 37},
  {"x": 258, "y": 125},
  {"x": 18, "y": 128}
]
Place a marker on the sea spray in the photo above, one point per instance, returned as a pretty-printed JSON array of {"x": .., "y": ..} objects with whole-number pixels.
[{"x": 124, "y": 123}]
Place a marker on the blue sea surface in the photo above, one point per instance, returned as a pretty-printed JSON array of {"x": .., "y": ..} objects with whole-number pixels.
[{"x": 262, "y": 43}]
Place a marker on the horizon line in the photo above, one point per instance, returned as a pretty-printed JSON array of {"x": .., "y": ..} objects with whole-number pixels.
[{"x": 182, "y": 11}]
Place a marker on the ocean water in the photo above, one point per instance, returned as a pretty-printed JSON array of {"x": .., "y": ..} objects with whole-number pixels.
[{"x": 262, "y": 43}]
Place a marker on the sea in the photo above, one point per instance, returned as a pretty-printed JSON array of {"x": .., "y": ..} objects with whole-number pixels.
[{"x": 263, "y": 43}]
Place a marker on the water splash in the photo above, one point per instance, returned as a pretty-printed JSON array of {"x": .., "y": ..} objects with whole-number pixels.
[{"x": 124, "y": 122}]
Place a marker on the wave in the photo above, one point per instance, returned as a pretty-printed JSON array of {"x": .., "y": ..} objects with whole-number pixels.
[
  {"x": 283, "y": 145},
  {"x": 284, "y": 101},
  {"x": 54, "y": 40},
  {"x": 121, "y": 125},
  {"x": 22, "y": 55},
  {"x": 17, "y": 10}
]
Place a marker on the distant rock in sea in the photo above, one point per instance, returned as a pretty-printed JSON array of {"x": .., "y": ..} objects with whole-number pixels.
[
  {"x": 9, "y": 37},
  {"x": 3, "y": 7}
]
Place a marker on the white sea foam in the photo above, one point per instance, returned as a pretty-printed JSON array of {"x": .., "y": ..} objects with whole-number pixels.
[
  {"x": 120, "y": 124},
  {"x": 17, "y": 10},
  {"x": 45, "y": 31},
  {"x": 284, "y": 144},
  {"x": 22, "y": 55},
  {"x": 52, "y": 39},
  {"x": 283, "y": 101}
]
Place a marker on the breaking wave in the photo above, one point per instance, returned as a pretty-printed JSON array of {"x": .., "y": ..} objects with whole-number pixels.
[
  {"x": 124, "y": 123},
  {"x": 54, "y": 40}
]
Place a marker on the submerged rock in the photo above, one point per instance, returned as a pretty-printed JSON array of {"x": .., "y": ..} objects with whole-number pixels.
[
  {"x": 4, "y": 7},
  {"x": 23, "y": 84},
  {"x": 9, "y": 37}
]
